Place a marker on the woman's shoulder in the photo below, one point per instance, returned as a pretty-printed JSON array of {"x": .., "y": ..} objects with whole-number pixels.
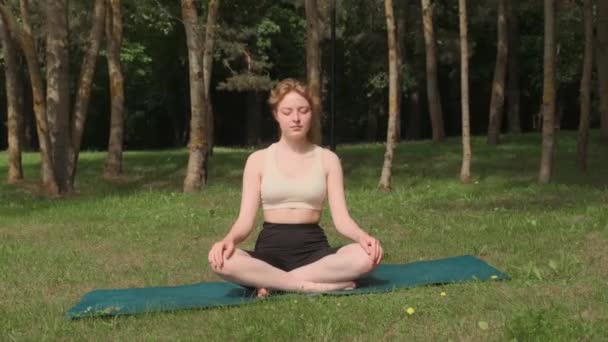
[
  {"x": 329, "y": 157},
  {"x": 257, "y": 157}
]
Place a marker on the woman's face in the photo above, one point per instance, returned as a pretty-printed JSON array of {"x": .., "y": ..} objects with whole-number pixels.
[{"x": 293, "y": 114}]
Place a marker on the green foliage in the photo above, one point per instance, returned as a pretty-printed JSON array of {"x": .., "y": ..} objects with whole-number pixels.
[
  {"x": 135, "y": 59},
  {"x": 265, "y": 30},
  {"x": 264, "y": 41}
]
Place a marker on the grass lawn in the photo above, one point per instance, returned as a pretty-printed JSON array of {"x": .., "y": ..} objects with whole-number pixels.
[{"x": 140, "y": 230}]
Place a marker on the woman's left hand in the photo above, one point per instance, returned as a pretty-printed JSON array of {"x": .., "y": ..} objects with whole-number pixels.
[{"x": 372, "y": 247}]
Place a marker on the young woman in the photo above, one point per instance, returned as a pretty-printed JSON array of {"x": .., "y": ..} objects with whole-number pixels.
[{"x": 291, "y": 179}]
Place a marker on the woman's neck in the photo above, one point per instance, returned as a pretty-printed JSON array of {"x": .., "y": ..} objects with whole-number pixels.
[{"x": 299, "y": 145}]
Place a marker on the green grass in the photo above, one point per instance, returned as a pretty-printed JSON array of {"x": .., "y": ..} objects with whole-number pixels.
[{"x": 140, "y": 230}]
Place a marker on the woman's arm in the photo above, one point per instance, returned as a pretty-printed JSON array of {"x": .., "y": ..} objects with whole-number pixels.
[
  {"x": 345, "y": 225},
  {"x": 250, "y": 202},
  {"x": 250, "y": 199}
]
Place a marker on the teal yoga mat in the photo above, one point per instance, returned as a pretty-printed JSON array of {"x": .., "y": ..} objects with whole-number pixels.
[{"x": 384, "y": 278}]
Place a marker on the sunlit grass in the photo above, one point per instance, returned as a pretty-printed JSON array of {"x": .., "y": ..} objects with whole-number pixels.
[{"x": 140, "y": 230}]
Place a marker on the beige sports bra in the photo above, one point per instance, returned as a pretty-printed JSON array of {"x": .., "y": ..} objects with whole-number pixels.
[{"x": 280, "y": 192}]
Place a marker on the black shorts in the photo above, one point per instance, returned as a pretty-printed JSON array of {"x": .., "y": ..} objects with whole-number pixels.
[{"x": 289, "y": 246}]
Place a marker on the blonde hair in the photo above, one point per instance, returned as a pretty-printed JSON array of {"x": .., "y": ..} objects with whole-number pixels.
[{"x": 286, "y": 86}]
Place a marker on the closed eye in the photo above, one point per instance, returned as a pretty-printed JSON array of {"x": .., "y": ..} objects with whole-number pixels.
[{"x": 304, "y": 110}]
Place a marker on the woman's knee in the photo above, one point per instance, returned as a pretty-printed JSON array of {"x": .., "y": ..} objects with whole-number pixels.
[
  {"x": 366, "y": 263},
  {"x": 229, "y": 265},
  {"x": 361, "y": 260}
]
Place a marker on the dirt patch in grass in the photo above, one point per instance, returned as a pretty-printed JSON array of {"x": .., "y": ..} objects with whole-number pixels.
[{"x": 595, "y": 252}]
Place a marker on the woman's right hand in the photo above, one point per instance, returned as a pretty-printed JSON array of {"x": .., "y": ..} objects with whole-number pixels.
[{"x": 219, "y": 250}]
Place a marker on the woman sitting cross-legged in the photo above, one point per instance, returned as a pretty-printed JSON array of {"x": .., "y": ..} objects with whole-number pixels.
[{"x": 291, "y": 178}]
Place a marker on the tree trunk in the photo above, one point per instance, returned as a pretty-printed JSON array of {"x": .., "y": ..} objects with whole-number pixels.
[
  {"x": 465, "y": 170},
  {"x": 500, "y": 71},
  {"x": 57, "y": 89},
  {"x": 549, "y": 86},
  {"x": 432, "y": 86},
  {"x": 85, "y": 82},
  {"x": 400, "y": 23},
  {"x": 602, "y": 66},
  {"x": 583, "y": 126},
  {"x": 14, "y": 109},
  {"x": 513, "y": 93},
  {"x": 26, "y": 41},
  {"x": 113, "y": 164},
  {"x": 212, "y": 14},
  {"x": 393, "y": 97},
  {"x": 313, "y": 66},
  {"x": 198, "y": 145},
  {"x": 30, "y": 140},
  {"x": 254, "y": 107}
]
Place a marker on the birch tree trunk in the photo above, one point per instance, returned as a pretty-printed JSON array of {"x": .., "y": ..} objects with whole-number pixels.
[
  {"x": 432, "y": 86},
  {"x": 26, "y": 41},
  {"x": 400, "y": 20},
  {"x": 513, "y": 92},
  {"x": 113, "y": 163},
  {"x": 57, "y": 89},
  {"x": 500, "y": 72},
  {"x": 602, "y": 66},
  {"x": 212, "y": 14},
  {"x": 14, "y": 108},
  {"x": 549, "y": 86},
  {"x": 393, "y": 97},
  {"x": 465, "y": 169},
  {"x": 313, "y": 66},
  {"x": 83, "y": 93},
  {"x": 583, "y": 126},
  {"x": 198, "y": 145}
]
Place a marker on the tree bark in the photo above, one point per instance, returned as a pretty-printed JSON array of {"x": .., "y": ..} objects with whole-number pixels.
[
  {"x": 198, "y": 145},
  {"x": 500, "y": 71},
  {"x": 583, "y": 126},
  {"x": 113, "y": 163},
  {"x": 549, "y": 86},
  {"x": 14, "y": 108},
  {"x": 313, "y": 67},
  {"x": 30, "y": 139},
  {"x": 57, "y": 90},
  {"x": 400, "y": 24},
  {"x": 85, "y": 82},
  {"x": 26, "y": 41},
  {"x": 212, "y": 14},
  {"x": 432, "y": 85},
  {"x": 602, "y": 66},
  {"x": 513, "y": 92},
  {"x": 465, "y": 169},
  {"x": 393, "y": 97}
]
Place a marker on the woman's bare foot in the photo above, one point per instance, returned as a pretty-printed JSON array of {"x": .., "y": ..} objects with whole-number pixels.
[
  {"x": 262, "y": 293},
  {"x": 327, "y": 287}
]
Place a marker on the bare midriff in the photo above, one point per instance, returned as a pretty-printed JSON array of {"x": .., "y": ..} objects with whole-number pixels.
[{"x": 292, "y": 216}]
